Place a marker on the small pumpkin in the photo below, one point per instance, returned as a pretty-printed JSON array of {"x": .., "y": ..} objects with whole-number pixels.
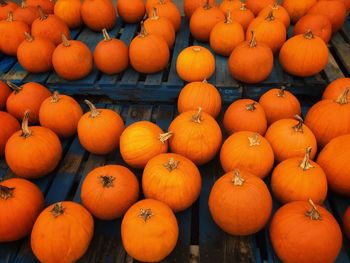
[
  {"x": 111, "y": 55},
  {"x": 150, "y": 4},
  {"x": 318, "y": 24},
  {"x": 9, "y": 125},
  {"x": 99, "y": 130},
  {"x": 35, "y": 54},
  {"x": 141, "y": 141},
  {"x": 244, "y": 194},
  {"x": 321, "y": 240},
  {"x": 243, "y": 16},
  {"x": 5, "y": 92},
  {"x": 335, "y": 88},
  {"x": 108, "y": 191},
  {"x": 66, "y": 221},
  {"x": 168, "y": 10},
  {"x": 297, "y": 179},
  {"x": 346, "y": 3},
  {"x": 257, "y": 5},
  {"x": 247, "y": 151},
  {"x": 6, "y": 7},
  {"x": 33, "y": 152},
  {"x": 46, "y": 5},
  {"x": 279, "y": 12},
  {"x": 195, "y": 63},
  {"x": 61, "y": 114},
  {"x": 200, "y": 94},
  {"x": 153, "y": 227},
  {"x": 131, "y": 11},
  {"x": 346, "y": 220},
  {"x": 230, "y": 5},
  {"x": 191, "y": 5},
  {"x": 245, "y": 115},
  {"x": 297, "y": 8},
  {"x": 69, "y": 12},
  {"x": 172, "y": 179},
  {"x": 106, "y": 16},
  {"x": 72, "y": 59},
  {"x": 25, "y": 13},
  {"x": 196, "y": 135},
  {"x": 20, "y": 203}
]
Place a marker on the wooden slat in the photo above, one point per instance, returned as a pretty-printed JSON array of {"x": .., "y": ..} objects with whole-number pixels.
[
  {"x": 342, "y": 49},
  {"x": 332, "y": 70}
]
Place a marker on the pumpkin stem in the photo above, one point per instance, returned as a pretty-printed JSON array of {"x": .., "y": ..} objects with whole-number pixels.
[
  {"x": 6, "y": 192},
  {"x": 281, "y": 92},
  {"x": 171, "y": 165},
  {"x": 165, "y": 136},
  {"x": 42, "y": 14},
  {"x": 57, "y": 210},
  {"x": 146, "y": 214},
  {"x": 308, "y": 34},
  {"x": 343, "y": 98},
  {"x": 15, "y": 88},
  {"x": 277, "y": 4},
  {"x": 252, "y": 42},
  {"x": 270, "y": 16},
  {"x": 3, "y": 3},
  {"x": 237, "y": 179},
  {"x": 305, "y": 164},
  {"x": 23, "y": 4},
  {"x": 243, "y": 7},
  {"x": 299, "y": 126},
  {"x": 10, "y": 17},
  {"x": 26, "y": 132},
  {"x": 107, "y": 181},
  {"x": 254, "y": 140},
  {"x": 197, "y": 118},
  {"x": 65, "y": 40},
  {"x": 313, "y": 213},
  {"x": 196, "y": 49},
  {"x": 206, "y": 5},
  {"x": 94, "y": 112},
  {"x": 205, "y": 81},
  {"x": 228, "y": 17},
  {"x": 106, "y": 36},
  {"x": 143, "y": 32},
  {"x": 251, "y": 106},
  {"x": 154, "y": 14},
  {"x": 28, "y": 37},
  {"x": 55, "y": 97}
]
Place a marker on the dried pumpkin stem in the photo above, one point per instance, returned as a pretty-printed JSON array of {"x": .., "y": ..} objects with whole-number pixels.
[
  {"x": 107, "y": 181},
  {"x": 254, "y": 140},
  {"x": 6, "y": 192},
  {"x": 243, "y": 7},
  {"x": 26, "y": 132},
  {"x": 106, "y": 36},
  {"x": 10, "y": 17},
  {"x": 277, "y": 4},
  {"x": 205, "y": 81},
  {"x": 305, "y": 164},
  {"x": 171, "y": 165},
  {"x": 313, "y": 213},
  {"x": 165, "y": 136},
  {"x": 299, "y": 126},
  {"x": 143, "y": 32},
  {"x": 42, "y": 14},
  {"x": 252, "y": 42},
  {"x": 251, "y": 106},
  {"x": 228, "y": 17},
  {"x": 94, "y": 112},
  {"x": 237, "y": 179},
  {"x": 154, "y": 14},
  {"x": 197, "y": 118},
  {"x": 65, "y": 40},
  {"x": 28, "y": 37},
  {"x": 57, "y": 210},
  {"x": 146, "y": 214},
  {"x": 196, "y": 49},
  {"x": 23, "y": 4},
  {"x": 14, "y": 87},
  {"x": 308, "y": 34},
  {"x": 343, "y": 98},
  {"x": 281, "y": 92},
  {"x": 206, "y": 5},
  {"x": 55, "y": 97},
  {"x": 270, "y": 16}
]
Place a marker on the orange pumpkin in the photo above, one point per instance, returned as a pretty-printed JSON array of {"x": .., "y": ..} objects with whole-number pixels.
[
  {"x": 6, "y": 7},
  {"x": 247, "y": 151},
  {"x": 61, "y": 114},
  {"x": 153, "y": 227},
  {"x": 33, "y": 152},
  {"x": 5, "y": 92},
  {"x": 9, "y": 125},
  {"x": 195, "y": 63},
  {"x": 141, "y": 141},
  {"x": 279, "y": 12},
  {"x": 235, "y": 201},
  {"x": 99, "y": 130},
  {"x": 69, "y": 12},
  {"x": 20, "y": 203},
  {"x": 346, "y": 220},
  {"x": 106, "y": 16},
  {"x": 191, "y": 5},
  {"x": 28, "y": 96},
  {"x": 346, "y": 3},
  {"x": 148, "y": 53},
  {"x": 72, "y": 59},
  {"x": 321, "y": 238},
  {"x": 225, "y": 36},
  {"x": 66, "y": 221},
  {"x": 108, "y": 191},
  {"x": 227, "y": 5},
  {"x": 243, "y": 16},
  {"x": 257, "y": 5},
  {"x": 111, "y": 55},
  {"x": 35, "y": 54},
  {"x": 168, "y": 10},
  {"x": 173, "y": 180},
  {"x": 318, "y": 24},
  {"x": 200, "y": 94},
  {"x": 203, "y": 21},
  {"x": 150, "y": 4},
  {"x": 334, "y": 159},
  {"x": 329, "y": 118},
  {"x": 335, "y": 88},
  {"x": 131, "y": 11},
  {"x": 25, "y": 13},
  {"x": 245, "y": 115},
  {"x": 46, "y": 5},
  {"x": 196, "y": 135},
  {"x": 297, "y": 8}
]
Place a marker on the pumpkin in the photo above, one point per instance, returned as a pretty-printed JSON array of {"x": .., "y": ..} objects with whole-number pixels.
[
  {"x": 335, "y": 88},
  {"x": 279, "y": 12},
  {"x": 149, "y": 231},
  {"x": 168, "y": 10},
  {"x": 111, "y": 55},
  {"x": 131, "y": 11},
  {"x": 108, "y": 191},
  {"x": 225, "y": 36},
  {"x": 196, "y": 135},
  {"x": 297, "y": 8},
  {"x": 150, "y": 4},
  {"x": 346, "y": 221},
  {"x": 141, "y": 141},
  {"x": 46, "y": 5},
  {"x": 5, "y": 91},
  {"x": 240, "y": 203},
  {"x": 304, "y": 55},
  {"x": 65, "y": 221},
  {"x": 329, "y": 118},
  {"x": 25, "y": 13},
  {"x": 227, "y": 5},
  {"x": 69, "y": 12},
  {"x": 200, "y": 94},
  {"x": 99, "y": 130},
  {"x": 247, "y": 151},
  {"x": 33, "y": 152},
  {"x": 28, "y": 96},
  {"x": 11, "y": 34},
  {"x": 6, "y": 7},
  {"x": 321, "y": 237},
  {"x": 318, "y": 24},
  {"x": 195, "y": 63},
  {"x": 335, "y": 11},
  {"x": 61, "y": 114},
  {"x": 257, "y": 5},
  {"x": 346, "y": 3},
  {"x": 297, "y": 179},
  {"x": 106, "y": 16},
  {"x": 160, "y": 26},
  {"x": 251, "y": 62},
  {"x": 191, "y": 5},
  {"x": 20, "y": 203},
  {"x": 334, "y": 159},
  {"x": 263, "y": 26},
  {"x": 203, "y": 21},
  {"x": 9, "y": 125},
  {"x": 72, "y": 59},
  {"x": 245, "y": 115},
  {"x": 243, "y": 16},
  {"x": 173, "y": 180},
  {"x": 35, "y": 54}
]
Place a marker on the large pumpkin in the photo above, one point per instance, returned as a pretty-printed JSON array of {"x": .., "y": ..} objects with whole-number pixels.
[
  {"x": 335, "y": 88},
  {"x": 168, "y": 10},
  {"x": 46, "y": 5},
  {"x": 108, "y": 191},
  {"x": 25, "y": 13},
  {"x": 173, "y": 180},
  {"x": 9, "y": 125},
  {"x": 318, "y": 24},
  {"x": 304, "y": 232},
  {"x": 191, "y": 5},
  {"x": 106, "y": 16},
  {"x": 6, "y": 7},
  {"x": 61, "y": 114},
  {"x": 20, "y": 203},
  {"x": 229, "y": 5},
  {"x": 131, "y": 11},
  {"x": 196, "y": 135},
  {"x": 279, "y": 12},
  {"x": 243, "y": 15},
  {"x": 69, "y": 12},
  {"x": 245, "y": 115},
  {"x": 346, "y": 220},
  {"x": 99, "y": 130},
  {"x": 67, "y": 222},
  {"x": 33, "y": 152},
  {"x": 247, "y": 151},
  {"x": 5, "y": 92},
  {"x": 297, "y": 8},
  {"x": 257, "y": 5},
  {"x": 240, "y": 203}
]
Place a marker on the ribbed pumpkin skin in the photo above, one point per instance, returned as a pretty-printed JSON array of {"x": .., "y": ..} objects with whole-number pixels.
[
  {"x": 257, "y": 5},
  {"x": 170, "y": 11},
  {"x": 131, "y": 11},
  {"x": 335, "y": 88},
  {"x": 98, "y": 14},
  {"x": 191, "y": 5},
  {"x": 319, "y": 25},
  {"x": 321, "y": 240},
  {"x": 279, "y": 12},
  {"x": 229, "y": 5},
  {"x": 46, "y": 5},
  {"x": 9, "y": 125},
  {"x": 26, "y": 14},
  {"x": 243, "y": 15},
  {"x": 151, "y": 3},
  {"x": 6, "y": 7},
  {"x": 5, "y": 92},
  {"x": 297, "y": 8},
  {"x": 346, "y": 221},
  {"x": 69, "y": 12}
]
